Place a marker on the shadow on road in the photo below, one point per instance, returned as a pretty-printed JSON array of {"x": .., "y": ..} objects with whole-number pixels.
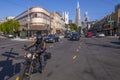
[
  {"x": 7, "y": 68},
  {"x": 117, "y": 42},
  {"x": 104, "y": 45}
]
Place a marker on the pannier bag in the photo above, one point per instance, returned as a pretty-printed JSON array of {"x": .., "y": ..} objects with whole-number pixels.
[{"x": 48, "y": 55}]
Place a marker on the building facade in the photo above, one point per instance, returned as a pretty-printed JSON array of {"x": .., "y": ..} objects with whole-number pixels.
[
  {"x": 58, "y": 25},
  {"x": 35, "y": 19},
  {"x": 39, "y": 20},
  {"x": 66, "y": 17},
  {"x": 86, "y": 24},
  {"x": 110, "y": 24},
  {"x": 117, "y": 10},
  {"x": 10, "y": 17}
]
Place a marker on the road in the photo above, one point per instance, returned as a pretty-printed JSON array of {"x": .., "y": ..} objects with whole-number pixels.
[{"x": 87, "y": 59}]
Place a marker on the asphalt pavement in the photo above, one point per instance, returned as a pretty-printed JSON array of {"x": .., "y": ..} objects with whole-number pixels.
[{"x": 86, "y": 59}]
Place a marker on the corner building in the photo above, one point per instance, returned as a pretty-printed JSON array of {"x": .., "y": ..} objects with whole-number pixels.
[{"x": 37, "y": 18}]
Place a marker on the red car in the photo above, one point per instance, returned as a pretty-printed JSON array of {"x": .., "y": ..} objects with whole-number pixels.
[{"x": 89, "y": 35}]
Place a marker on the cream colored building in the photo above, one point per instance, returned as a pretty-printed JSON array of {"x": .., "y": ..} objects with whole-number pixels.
[
  {"x": 10, "y": 17},
  {"x": 58, "y": 23},
  {"x": 36, "y": 19},
  {"x": 110, "y": 24},
  {"x": 117, "y": 10}
]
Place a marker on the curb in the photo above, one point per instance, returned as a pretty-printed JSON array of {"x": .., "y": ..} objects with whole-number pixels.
[
  {"x": 19, "y": 39},
  {"x": 112, "y": 37},
  {"x": 2, "y": 37}
]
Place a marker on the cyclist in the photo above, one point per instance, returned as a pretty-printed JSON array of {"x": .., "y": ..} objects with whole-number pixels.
[{"x": 40, "y": 47}]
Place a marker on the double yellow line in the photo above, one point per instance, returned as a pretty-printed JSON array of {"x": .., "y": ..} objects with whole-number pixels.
[
  {"x": 77, "y": 50},
  {"x": 17, "y": 78}
]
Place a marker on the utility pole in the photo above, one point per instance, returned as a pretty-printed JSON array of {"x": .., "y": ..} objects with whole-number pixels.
[
  {"x": 110, "y": 27},
  {"x": 28, "y": 35},
  {"x": 111, "y": 21},
  {"x": 50, "y": 24}
]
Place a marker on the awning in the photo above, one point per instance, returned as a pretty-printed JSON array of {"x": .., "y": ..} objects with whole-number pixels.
[
  {"x": 38, "y": 27},
  {"x": 108, "y": 28},
  {"x": 21, "y": 28}
]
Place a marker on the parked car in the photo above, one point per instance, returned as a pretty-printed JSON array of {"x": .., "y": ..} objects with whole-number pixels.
[
  {"x": 52, "y": 38},
  {"x": 1, "y": 34},
  {"x": 89, "y": 35},
  {"x": 100, "y": 35},
  {"x": 74, "y": 36},
  {"x": 10, "y": 35},
  {"x": 67, "y": 35}
]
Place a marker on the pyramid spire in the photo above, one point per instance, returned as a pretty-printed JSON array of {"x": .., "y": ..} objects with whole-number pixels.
[
  {"x": 78, "y": 5},
  {"x": 78, "y": 20}
]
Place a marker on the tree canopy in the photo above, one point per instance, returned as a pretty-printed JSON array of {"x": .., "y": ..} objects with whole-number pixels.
[
  {"x": 73, "y": 27},
  {"x": 9, "y": 26}
]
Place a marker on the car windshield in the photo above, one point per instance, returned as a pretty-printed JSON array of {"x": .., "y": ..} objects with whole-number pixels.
[
  {"x": 51, "y": 35},
  {"x": 75, "y": 34}
]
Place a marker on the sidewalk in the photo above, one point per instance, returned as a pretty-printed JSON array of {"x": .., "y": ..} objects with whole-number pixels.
[
  {"x": 20, "y": 39},
  {"x": 2, "y": 37},
  {"x": 112, "y": 36}
]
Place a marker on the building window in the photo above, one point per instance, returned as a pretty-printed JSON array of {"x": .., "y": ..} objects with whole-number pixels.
[
  {"x": 39, "y": 15},
  {"x": 35, "y": 15}
]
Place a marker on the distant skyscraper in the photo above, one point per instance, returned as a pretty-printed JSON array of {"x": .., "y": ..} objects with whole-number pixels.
[
  {"x": 78, "y": 21},
  {"x": 66, "y": 17},
  {"x": 86, "y": 21},
  {"x": 86, "y": 17}
]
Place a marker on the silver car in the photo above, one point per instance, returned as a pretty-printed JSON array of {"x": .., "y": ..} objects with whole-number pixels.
[{"x": 100, "y": 35}]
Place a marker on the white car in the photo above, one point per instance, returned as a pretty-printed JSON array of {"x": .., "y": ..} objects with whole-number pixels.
[
  {"x": 10, "y": 35},
  {"x": 100, "y": 35}
]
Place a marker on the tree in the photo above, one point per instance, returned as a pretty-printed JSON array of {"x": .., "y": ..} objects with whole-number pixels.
[
  {"x": 10, "y": 26},
  {"x": 2, "y": 28},
  {"x": 73, "y": 27}
]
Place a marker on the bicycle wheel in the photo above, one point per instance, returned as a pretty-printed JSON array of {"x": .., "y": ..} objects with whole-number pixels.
[{"x": 25, "y": 73}]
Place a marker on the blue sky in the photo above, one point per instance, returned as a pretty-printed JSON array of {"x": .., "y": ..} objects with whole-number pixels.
[{"x": 96, "y": 9}]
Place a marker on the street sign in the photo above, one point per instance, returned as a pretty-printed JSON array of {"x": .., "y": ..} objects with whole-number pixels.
[{"x": 110, "y": 21}]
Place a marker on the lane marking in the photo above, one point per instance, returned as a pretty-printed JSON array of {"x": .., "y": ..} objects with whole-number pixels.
[
  {"x": 77, "y": 50},
  {"x": 17, "y": 78},
  {"x": 74, "y": 57},
  {"x": 79, "y": 47}
]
